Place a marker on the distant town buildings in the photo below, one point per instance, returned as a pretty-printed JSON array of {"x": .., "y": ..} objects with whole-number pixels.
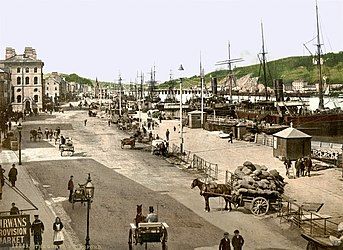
[
  {"x": 55, "y": 87},
  {"x": 5, "y": 90},
  {"x": 26, "y": 74}
]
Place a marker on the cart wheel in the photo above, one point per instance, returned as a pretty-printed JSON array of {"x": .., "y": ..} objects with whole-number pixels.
[
  {"x": 259, "y": 206},
  {"x": 311, "y": 246},
  {"x": 130, "y": 239}
]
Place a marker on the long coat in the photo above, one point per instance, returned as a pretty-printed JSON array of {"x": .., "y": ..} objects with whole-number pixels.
[
  {"x": 12, "y": 175},
  {"x": 224, "y": 244},
  {"x": 237, "y": 242}
]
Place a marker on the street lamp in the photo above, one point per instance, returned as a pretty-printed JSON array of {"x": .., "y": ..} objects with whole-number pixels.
[
  {"x": 181, "y": 128},
  {"x": 89, "y": 193},
  {"x": 19, "y": 127}
]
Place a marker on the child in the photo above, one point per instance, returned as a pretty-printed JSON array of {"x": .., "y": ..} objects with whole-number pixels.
[{"x": 237, "y": 241}]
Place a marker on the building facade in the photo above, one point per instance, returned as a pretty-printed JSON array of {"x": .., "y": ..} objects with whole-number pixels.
[
  {"x": 55, "y": 87},
  {"x": 26, "y": 79},
  {"x": 5, "y": 90}
]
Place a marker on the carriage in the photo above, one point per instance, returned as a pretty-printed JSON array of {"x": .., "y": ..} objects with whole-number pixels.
[
  {"x": 68, "y": 147},
  {"x": 35, "y": 134},
  {"x": 79, "y": 195},
  {"x": 149, "y": 232},
  {"x": 128, "y": 141}
]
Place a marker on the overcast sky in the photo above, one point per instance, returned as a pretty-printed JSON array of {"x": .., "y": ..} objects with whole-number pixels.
[{"x": 100, "y": 38}]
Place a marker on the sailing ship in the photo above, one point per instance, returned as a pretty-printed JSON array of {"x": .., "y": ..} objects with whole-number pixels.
[{"x": 321, "y": 122}]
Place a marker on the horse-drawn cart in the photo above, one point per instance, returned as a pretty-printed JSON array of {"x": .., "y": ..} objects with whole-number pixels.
[
  {"x": 152, "y": 232},
  {"x": 68, "y": 147},
  {"x": 79, "y": 195},
  {"x": 128, "y": 141},
  {"x": 319, "y": 242}
]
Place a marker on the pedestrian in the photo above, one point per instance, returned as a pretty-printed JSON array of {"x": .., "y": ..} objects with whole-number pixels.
[
  {"x": 230, "y": 137},
  {"x": 85, "y": 122},
  {"x": 302, "y": 167},
  {"x": 109, "y": 123},
  {"x": 58, "y": 235},
  {"x": 288, "y": 165},
  {"x": 237, "y": 241},
  {"x": 51, "y": 133},
  {"x": 46, "y": 132},
  {"x": 153, "y": 125},
  {"x": 37, "y": 229},
  {"x": 0, "y": 192},
  {"x": 14, "y": 210},
  {"x": 150, "y": 136},
  {"x": 225, "y": 242},
  {"x": 149, "y": 125},
  {"x": 12, "y": 175},
  {"x": 174, "y": 128},
  {"x": 297, "y": 167},
  {"x": 71, "y": 187},
  {"x": 167, "y": 134},
  {"x": 157, "y": 137},
  {"x": 160, "y": 118},
  {"x": 308, "y": 166}
]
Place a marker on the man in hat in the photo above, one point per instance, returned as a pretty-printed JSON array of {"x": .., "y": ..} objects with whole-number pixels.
[
  {"x": 237, "y": 241},
  {"x": 151, "y": 217},
  {"x": 225, "y": 242},
  {"x": 71, "y": 187},
  {"x": 12, "y": 175},
  {"x": 37, "y": 229},
  {"x": 14, "y": 209}
]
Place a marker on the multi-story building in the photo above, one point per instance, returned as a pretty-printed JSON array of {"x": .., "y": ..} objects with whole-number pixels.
[
  {"x": 26, "y": 79},
  {"x": 55, "y": 87}
]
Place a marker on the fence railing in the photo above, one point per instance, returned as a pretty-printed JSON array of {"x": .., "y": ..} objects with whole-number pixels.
[
  {"x": 209, "y": 169},
  {"x": 264, "y": 139},
  {"x": 175, "y": 150}
]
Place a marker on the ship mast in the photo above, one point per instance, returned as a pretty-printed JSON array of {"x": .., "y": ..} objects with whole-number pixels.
[
  {"x": 321, "y": 101},
  {"x": 264, "y": 64}
]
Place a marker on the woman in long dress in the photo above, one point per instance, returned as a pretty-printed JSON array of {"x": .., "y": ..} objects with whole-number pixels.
[{"x": 58, "y": 235}]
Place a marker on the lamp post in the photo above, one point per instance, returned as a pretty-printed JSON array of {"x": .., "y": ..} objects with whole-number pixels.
[
  {"x": 89, "y": 190},
  {"x": 181, "y": 125},
  {"x": 19, "y": 127}
]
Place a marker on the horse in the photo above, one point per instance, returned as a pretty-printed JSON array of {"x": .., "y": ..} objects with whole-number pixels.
[
  {"x": 139, "y": 216},
  {"x": 213, "y": 190},
  {"x": 33, "y": 135}
]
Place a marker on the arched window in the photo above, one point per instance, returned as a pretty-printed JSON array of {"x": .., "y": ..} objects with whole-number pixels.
[
  {"x": 18, "y": 80},
  {"x": 55, "y": 88},
  {"x": 35, "y": 70},
  {"x": 27, "y": 80},
  {"x": 27, "y": 70},
  {"x": 18, "y": 70},
  {"x": 18, "y": 98},
  {"x": 18, "y": 90},
  {"x": 35, "y": 98},
  {"x": 35, "y": 80}
]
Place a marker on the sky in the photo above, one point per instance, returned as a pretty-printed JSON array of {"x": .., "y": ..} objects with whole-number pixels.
[{"x": 105, "y": 38}]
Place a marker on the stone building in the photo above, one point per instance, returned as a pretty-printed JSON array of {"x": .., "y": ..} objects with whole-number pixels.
[
  {"x": 26, "y": 79},
  {"x": 55, "y": 87}
]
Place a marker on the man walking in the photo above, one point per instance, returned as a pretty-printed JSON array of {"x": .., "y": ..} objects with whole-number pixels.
[
  {"x": 237, "y": 241},
  {"x": 225, "y": 242},
  {"x": 2, "y": 178},
  {"x": 230, "y": 136},
  {"x": 167, "y": 134},
  {"x": 12, "y": 175},
  {"x": 37, "y": 229},
  {"x": 86, "y": 122},
  {"x": 71, "y": 187},
  {"x": 288, "y": 165}
]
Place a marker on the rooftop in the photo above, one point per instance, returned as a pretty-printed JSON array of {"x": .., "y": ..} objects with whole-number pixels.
[{"x": 291, "y": 133}]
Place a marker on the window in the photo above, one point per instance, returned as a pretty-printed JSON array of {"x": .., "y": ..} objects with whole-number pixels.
[
  {"x": 35, "y": 80},
  {"x": 18, "y": 98},
  {"x": 18, "y": 80},
  {"x": 27, "y": 70},
  {"x": 47, "y": 88},
  {"x": 27, "y": 80},
  {"x": 35, "y": 98},
  {"x": 35, "y": 70},
  {"x": 55, "y": 88},
  {"x": 18, "y": 90},
  {"x": 18, "y": 70},
  {"x": 35, "y": 90}
]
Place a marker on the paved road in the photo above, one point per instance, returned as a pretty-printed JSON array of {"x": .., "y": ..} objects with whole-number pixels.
[{"x": 153, "y": 181}]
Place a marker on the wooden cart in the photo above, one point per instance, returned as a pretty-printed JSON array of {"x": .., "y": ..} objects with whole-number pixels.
[
  {"x": 319, "y": 242},
  {"x": 152, "y": 232}
]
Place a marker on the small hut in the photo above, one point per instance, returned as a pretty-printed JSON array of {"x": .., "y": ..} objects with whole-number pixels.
[
  {"x": 194, "y": 119},
  {"x": 291, "y": 143}
]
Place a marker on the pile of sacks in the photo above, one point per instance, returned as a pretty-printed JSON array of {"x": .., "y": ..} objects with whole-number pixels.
[{"x": 257, "y": 180}]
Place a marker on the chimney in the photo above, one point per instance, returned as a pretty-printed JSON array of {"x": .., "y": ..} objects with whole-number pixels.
[
  {"x": 10, "y": 52},
  {"x": 30, "y": 52}
]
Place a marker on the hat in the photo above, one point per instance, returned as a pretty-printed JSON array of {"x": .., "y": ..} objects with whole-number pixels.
[
  {"x": 236, "y": 231},
  {"x": 226, "y": 233},
  {"x": 36, "y": 215}
]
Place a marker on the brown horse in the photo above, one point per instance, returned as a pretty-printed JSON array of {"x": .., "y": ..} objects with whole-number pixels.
[
  {"x": 212, "y": 191},
  {"x": 139, "y": 217}
]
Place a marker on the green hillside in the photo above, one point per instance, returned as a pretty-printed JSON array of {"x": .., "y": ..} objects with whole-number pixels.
[{"x": 289, "y": 69}]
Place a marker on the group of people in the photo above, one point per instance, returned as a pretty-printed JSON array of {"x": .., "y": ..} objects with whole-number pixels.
[
  {"x": 303, "y": 166},
  {"x": 12, "y": 177},
  {"x": 237, "y": 241}
]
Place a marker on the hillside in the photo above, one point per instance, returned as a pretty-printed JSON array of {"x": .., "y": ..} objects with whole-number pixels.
[{"x": 289, "y": 69}]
